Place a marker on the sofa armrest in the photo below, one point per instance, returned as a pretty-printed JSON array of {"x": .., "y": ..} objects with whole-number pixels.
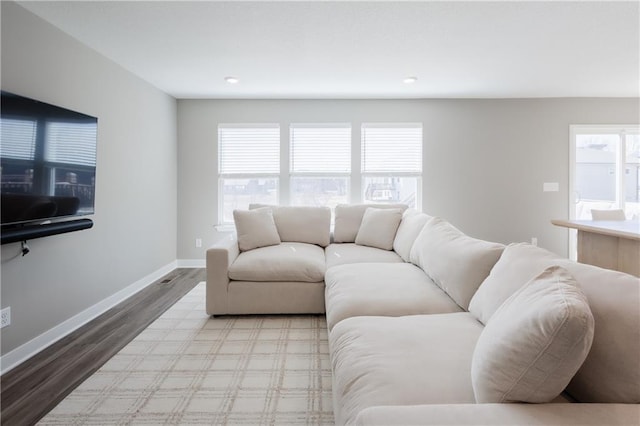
[
  {"x": 501, "y": 414},
  {"x": 219, "y": 257}
]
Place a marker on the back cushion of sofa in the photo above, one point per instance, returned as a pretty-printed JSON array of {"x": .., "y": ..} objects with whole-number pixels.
[
  {"x": 302, "y": 224},
  {"x": 535, "y": 342},
  {"x": 611, "y": 372},
  {"x": 457, "y": 263},
  {"x": 412, "y": 223},
  {"x": 518, "y": 264},
  {"x": 349, "y": 218}
]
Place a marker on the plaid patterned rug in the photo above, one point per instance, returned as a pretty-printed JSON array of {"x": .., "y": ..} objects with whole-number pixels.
[{"x": 189, "y": 369}]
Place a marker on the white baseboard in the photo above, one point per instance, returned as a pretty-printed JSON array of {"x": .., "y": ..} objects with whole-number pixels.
[
  {"x": 20, "y": 354},
  {"x": 191, "y": 263}
]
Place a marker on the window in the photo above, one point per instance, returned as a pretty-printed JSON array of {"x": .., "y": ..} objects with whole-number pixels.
[
  {"x": 249, "y": 166},
  {"x": 392, "y": 163},
  {"x": 320, "y": 164},
  {"x": 605, "y": 171}
]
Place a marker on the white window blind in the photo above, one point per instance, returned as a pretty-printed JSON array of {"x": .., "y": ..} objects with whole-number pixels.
[
  {"x": 249, "y": 149},
  {"x": 320, "y": 148},
  {"x": 71, "y": 143},
  {"x": 392, "y": 148},
  {"x": 18, "y": 139}
]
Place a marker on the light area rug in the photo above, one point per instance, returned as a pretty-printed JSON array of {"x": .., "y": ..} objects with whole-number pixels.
[{"x": 187, "y": 368}]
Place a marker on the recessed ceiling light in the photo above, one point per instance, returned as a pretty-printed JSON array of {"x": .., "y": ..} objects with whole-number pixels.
[
  {"x": 232, "y": 80},
  {"x": 410, "y": 80}
]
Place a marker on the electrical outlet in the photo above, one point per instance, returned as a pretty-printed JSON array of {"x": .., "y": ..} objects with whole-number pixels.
[
  {"x": 5, "y": 316},
  {"x": 534, "y": 241},
  {"x": 198, "y": 242}
]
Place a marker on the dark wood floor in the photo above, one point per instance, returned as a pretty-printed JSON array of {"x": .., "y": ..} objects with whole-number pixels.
[{"x": 36, "y": 386}]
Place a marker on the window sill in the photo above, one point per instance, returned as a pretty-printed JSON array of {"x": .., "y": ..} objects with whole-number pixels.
[{"x": 225, "y": 227}]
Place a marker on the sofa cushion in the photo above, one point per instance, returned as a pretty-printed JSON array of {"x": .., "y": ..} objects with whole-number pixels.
[
  {"x": 382, "y": 289},
  {"x": 349, "y": 217},
  {"x": 255, "y": 228},
  {"x": 611, "y": 372},
  {"x": 340, "y": 254},
  {"x": 301, "y": 224},
  {"x": 410, "y": 226},
  {"x": 456, "y": 262},
  {"x": 284, "y": 262},
  {"x": 378, "y": 228},
  {"x": 500, "y": 415},
  {"x": 409, "y": 360},
  {"x": 534, "y": 343},
  {"x": 518, "y": 263}
]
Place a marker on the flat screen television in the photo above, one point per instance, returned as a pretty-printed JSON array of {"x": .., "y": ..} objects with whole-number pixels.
[{"x": 47, "y": 161}]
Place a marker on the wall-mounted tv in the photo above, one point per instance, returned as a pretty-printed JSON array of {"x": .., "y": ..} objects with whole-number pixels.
[{"x": 47, "y": 161}]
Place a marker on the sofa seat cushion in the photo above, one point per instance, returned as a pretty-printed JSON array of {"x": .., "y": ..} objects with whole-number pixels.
[
  {"x": 382, "y": 289},
  {"x": 284, "y": 262},
  {"x": 410, "y": 360},
  {"x": 340, "y": 254}
]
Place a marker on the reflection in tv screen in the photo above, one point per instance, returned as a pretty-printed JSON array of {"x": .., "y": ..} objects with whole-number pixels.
[{"x": 47, "y": 160}]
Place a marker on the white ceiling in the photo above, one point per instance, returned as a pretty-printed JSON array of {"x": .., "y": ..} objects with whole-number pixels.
[{"x": 354, "y": 49}]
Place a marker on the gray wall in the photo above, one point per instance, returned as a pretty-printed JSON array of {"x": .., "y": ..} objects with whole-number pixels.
[
  {"x": 485, "y": 161},
  {"x": 135, "y": 221}
]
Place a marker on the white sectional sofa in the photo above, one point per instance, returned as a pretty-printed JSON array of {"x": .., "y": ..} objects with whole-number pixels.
[{"x": 430, "y": 326}]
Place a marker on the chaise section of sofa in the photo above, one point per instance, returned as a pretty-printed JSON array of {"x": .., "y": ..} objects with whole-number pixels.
[
  {"x": 406, "y": 360},
  {"x": 418, "y": 369}
]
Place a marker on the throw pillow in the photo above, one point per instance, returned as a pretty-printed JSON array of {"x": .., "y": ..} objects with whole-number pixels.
[
  {"x": 349, "y": 218},
  {"x": 255, "y": 228},
  {"x": 534, "y": 343},
  {"x": 378, "y": 228}
]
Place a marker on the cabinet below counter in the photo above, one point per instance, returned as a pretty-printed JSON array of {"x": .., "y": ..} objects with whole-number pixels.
[{"x": 608, "y": 244}]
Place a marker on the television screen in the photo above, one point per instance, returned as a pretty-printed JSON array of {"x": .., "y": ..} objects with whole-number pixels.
[{"x": 47, "y": 161}]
